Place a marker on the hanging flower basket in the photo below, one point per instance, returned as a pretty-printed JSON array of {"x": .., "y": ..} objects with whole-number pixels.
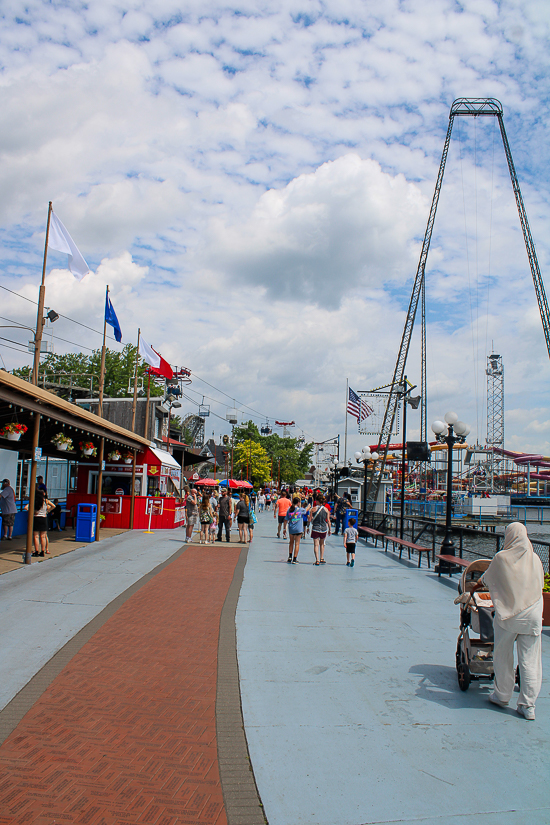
[
  {"x": 128, "y": 458},
  {"x": 88, "y": 448},
  {"x": 114, "y": 456},
  {"x": 13, "y": 432},
  {"x": 62, "y": 442}
]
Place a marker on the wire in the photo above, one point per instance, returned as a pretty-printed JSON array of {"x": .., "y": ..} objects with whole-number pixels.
[
  {"x": 13, "y": 342},
  {"x": 67, "y": 318}
]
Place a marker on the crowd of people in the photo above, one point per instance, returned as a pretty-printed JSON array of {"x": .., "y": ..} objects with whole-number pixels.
[{"x": 298, "y": 513}]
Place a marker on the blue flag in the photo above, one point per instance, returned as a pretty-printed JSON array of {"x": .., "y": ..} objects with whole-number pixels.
[{"x": 110, "y": 318}]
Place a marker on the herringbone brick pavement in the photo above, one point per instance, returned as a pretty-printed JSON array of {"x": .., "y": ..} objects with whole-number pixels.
[{"x": 126, "y": 733}]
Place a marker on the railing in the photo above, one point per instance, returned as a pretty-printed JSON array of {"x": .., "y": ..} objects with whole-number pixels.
[{"x": 470, "y": 542}]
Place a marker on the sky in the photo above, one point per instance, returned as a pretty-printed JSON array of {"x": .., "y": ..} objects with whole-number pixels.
[{"x": 253, "y": 181}]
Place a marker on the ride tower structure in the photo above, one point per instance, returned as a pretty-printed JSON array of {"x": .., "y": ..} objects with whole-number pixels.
[
  {"x": 495, "y": 417},
  {"x": 462, "y": 107}
]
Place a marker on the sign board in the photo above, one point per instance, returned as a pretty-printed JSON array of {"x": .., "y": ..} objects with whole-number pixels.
[
  {"x": 372, "y": 425},
  {"x": 122, "y": 469},
  {"x": 37, "y": 453},
  {"x": 155, "y": 506},
  {"x": 111, "y": 504}
]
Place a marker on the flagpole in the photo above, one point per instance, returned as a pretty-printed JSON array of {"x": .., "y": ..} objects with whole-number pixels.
[
  {"x": 102, "y": 369},
  {"x": 134, "y": 402},
  {"x": 146, "y": 435},
  {"x": 41, "y": 299},
  {"x": 346, "y": 432}
]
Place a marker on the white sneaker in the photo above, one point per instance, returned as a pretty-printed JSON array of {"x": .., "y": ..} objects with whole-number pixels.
[
  {"x": 493, "y": 698},
  {"x": 527, "y": 711}
]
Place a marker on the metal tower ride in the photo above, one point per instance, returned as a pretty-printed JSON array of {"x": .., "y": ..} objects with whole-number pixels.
[
  {"x": 462, "y": 107},
  {"x": 495, "y": 413}
]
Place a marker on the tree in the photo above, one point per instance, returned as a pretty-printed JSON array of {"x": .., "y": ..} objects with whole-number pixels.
[
  {"x": 246, "y": 433},
  {"x": 119, "y": 371},
  {"x": 252, "y": 459}
]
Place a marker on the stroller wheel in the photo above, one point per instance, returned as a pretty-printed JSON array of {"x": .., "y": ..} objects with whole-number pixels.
[
  {"x": 458, "y": 654},
  {"x": 463, "y": 676},
  {"x": 518, "y": 680}
]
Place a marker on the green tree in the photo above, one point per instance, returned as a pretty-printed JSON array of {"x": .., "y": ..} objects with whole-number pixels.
[
  {"x": 251, "y": 456},
  {"x": 119, "y": 371},
  {"x": 248, "y": 432}
]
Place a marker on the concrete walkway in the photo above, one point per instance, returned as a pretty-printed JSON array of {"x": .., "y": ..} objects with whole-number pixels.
[{"x": 351, "y": 705}]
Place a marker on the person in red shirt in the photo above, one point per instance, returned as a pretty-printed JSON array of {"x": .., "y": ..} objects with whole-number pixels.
[{"x": 279, "y": 511}]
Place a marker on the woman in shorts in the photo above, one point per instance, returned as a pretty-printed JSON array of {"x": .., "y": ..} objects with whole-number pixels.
[
  {"x": 243, "y": 517},
  {"x": 319, "y": 520},
  {"x": 192, "y": 512},
  {"x": 40, "y": 523}
]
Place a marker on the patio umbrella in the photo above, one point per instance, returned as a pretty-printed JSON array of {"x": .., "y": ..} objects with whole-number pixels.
[
  {"x": 245, "y": 484},
  {"x": 207, "y": 482},
  {"x": 231, "y": 483}
]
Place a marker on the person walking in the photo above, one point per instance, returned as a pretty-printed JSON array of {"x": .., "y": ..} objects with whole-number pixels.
[
  {"x": 279, "y": 512},
  {"x": 225, "y": 514},
  {"x": 294, "y": 519},
  {"x": 242, "y": 512},
  {"x": 261, "y": 502},
  {"x": 8, "y": 509},
  {"x": 319, "y": 519},
  {"x": 350, "y": 541},
  {"x": 192, "y": 512},
  {"x": 268, "y": 500},
  {"x": 515, "y": 579},
  {"x": 340, "y": 507}
]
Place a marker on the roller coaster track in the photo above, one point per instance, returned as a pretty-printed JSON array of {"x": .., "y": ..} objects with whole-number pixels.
[{"x": 462, "y": 107}]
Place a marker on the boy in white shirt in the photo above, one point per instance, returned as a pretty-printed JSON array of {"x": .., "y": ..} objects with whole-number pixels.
[{"x": 350, "y": 540}]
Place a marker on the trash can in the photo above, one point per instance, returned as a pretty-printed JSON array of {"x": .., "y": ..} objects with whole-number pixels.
[
  {"x": 85, "y": 522},
  {"x": 350, "y": 513}
]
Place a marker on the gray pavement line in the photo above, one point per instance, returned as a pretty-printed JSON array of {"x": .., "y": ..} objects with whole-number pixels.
[
  {"x": 479, "y": 815},
  {"x": 243, "y": 805},
  {"x": 22, "y": 702}
]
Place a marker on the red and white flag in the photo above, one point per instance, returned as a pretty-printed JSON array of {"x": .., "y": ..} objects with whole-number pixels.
[{"x": 156, "y": 362}]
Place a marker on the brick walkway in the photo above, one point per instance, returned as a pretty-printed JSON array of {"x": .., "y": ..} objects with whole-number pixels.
[{"x": 127, "y": 732}]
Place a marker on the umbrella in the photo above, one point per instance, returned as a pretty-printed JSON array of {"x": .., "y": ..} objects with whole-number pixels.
[
  {"x": 246, "y": 484},
  {"x": 207, "y": 482},
  {"x": 231, "y": 483}
]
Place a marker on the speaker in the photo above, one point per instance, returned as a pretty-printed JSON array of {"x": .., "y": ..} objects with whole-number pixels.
[{"x": 418, "y": 451}]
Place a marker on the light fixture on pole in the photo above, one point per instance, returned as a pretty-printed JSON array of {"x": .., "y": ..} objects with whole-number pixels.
[
  {"x": 451, "y": 431},
  {"x": 414, "y": 403},
  {"x": 364, "y": 457}
]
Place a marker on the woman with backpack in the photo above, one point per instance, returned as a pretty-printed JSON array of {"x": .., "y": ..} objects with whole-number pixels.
[
  {"x": 295, "y": 521},
  {"x": 319, "y": 519},
  {"x": 243, "y": 517}
]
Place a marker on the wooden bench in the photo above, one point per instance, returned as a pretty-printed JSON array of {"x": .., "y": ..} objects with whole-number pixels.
[
  {"x": 370, "y": 531},
  {"x": 410, "y": 546},
  {"x": 451, "y": 560}
]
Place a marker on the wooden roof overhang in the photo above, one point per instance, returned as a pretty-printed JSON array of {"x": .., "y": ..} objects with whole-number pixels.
[{"x": 20, "y": 400}]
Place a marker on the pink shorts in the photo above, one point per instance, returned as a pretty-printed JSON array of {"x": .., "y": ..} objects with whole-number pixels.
[{"x": 316, "y": 535}]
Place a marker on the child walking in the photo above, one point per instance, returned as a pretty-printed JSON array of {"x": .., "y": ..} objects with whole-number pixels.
[
  {"x": 294, "y": 518},
  {"x": 350, "y": 540}
]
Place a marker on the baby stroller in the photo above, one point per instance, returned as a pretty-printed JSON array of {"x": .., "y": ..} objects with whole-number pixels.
[{"x": 474, "y": 656}]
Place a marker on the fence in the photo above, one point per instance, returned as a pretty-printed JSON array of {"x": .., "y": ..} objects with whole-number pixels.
[{"x": 471, "y": 542}]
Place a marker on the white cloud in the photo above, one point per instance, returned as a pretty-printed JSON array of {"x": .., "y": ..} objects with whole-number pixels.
[{"x": 253, "y": 182}]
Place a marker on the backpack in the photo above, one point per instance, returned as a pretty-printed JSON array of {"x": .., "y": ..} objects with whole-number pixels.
[{"x": 295, "y": 523}]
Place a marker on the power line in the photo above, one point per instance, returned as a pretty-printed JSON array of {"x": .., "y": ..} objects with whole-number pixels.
[{"x": 67, "y": 318}]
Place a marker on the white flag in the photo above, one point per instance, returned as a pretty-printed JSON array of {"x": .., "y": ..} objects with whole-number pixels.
[
  {"x": 148, "y": 354},
  {"x": 60, "y": 240}
]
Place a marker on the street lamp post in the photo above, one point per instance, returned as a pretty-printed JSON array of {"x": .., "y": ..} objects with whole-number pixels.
[
  {"x": 364, "y": 457},
  {"x": 414, "y": 402},
  {"x": 451, "y": 431}
]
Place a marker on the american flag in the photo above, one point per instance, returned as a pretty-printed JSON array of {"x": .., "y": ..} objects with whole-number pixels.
[{"x": 358, "y": 407}]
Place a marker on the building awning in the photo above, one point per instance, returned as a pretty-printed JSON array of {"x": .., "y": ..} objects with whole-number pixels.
[
  {"x": 165, "y": 457},
  {"x": 21, "y": 400}
]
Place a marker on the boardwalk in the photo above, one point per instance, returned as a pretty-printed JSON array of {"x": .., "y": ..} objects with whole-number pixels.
[{"x": 349, "y": 696}]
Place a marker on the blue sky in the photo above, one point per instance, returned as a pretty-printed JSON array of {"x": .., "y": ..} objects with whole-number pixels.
[{"x": 253, "y": 181}]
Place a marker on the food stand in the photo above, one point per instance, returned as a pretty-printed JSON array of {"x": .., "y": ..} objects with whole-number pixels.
[{"x": 158, "y": 477}]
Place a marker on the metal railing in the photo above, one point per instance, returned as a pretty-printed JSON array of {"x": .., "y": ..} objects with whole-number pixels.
[{"x": 471, "y": 542}]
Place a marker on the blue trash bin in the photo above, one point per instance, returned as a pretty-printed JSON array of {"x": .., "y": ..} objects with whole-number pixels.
[
  {"x": 85, "y": 522},
  {"x": 350, "y": 513}
]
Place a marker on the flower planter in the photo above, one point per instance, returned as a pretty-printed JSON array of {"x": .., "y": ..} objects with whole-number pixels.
[
  {"x": 87, "y": 452},
  {"x": 13, "y": 436},
  {"x": 545, "y": 609},
  {"x": 127, "y": 460},
  {"x": 62, "y": 447}
]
